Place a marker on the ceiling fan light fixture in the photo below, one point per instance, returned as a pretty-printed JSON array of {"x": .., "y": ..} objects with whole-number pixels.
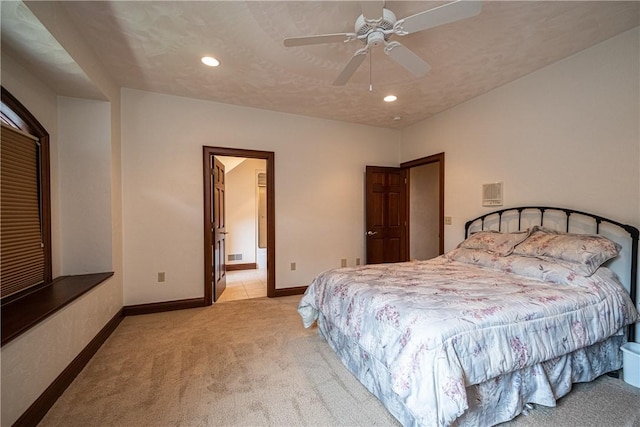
[
  {"x": 378, "y": 24},
  {"x": 210, "y": 61},
  {"x": 390, "y": 98}
]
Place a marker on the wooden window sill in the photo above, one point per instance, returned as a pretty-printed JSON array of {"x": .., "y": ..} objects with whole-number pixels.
[{"x": 20, "y": 315}]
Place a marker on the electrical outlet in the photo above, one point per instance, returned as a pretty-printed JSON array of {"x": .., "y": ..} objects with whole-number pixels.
[
  {"x": 343, "y": 262},
  {"x": 357, "y": 261},
  {"x": 447, "y": 220},
  {"x": 160, "y": 276},
  {"x": 293, "y": 266}
]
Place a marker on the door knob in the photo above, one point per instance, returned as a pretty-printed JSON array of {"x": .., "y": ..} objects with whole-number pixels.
[{"x": 371, "y": 233}]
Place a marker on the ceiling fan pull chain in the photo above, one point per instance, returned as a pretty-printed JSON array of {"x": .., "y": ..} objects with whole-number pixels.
[{"x": 370, "y": 67}]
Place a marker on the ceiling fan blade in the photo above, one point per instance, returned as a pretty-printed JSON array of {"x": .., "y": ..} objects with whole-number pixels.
[
  {"x": 372, "y": 10},
  {"x": 409, "y": 60},
  {"x": 441, "y": 15},
  {"x": 323, "y": 38},
  {"x": 351, "y": 67}
]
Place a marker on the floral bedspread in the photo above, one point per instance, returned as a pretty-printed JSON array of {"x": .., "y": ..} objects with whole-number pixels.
[{"x": 436, "y": 327}]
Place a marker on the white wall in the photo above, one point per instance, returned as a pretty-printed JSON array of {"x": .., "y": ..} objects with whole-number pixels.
[
  {"x": 319, "y": 172},
  {"x": 566, "y": 135},
  {"x": 85, "y": 174},
  {"x": 242, "y": 210}
]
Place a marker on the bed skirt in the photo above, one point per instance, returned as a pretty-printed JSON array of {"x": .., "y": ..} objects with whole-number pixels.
[{"x": 494, "y": 401}]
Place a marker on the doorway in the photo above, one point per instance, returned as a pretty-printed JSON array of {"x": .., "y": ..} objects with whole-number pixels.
[
  {"x": 425, "y": 206},
  {"x": 220, "y": 261},
  {"x": 424, "y": 220},
  {"x": 246, "y": 228}
]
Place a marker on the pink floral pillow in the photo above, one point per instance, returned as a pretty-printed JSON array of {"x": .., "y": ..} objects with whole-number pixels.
[
  {"x": 501, "y": 244},
  {"x": 583, "y": 253}
]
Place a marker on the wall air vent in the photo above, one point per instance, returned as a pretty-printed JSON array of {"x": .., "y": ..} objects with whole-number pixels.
[
  {"x": 262, "y": 179},
  {"x": 492, "y": 194},
  {"x": 234, "y": 257}
]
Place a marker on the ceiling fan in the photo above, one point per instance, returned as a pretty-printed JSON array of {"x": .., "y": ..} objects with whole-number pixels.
[{"x": 378, "y": 24}]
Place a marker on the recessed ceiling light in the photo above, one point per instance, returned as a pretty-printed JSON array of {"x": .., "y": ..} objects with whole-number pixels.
[
  {"x": 210, "y": 61},
  {"x": 390, "y": 98}
]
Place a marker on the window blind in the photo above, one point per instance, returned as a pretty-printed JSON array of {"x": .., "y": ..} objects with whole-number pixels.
[{"x": 21, "y": 245}]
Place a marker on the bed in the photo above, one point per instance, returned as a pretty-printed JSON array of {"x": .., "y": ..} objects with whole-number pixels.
[{"x": 528, "y": 304}]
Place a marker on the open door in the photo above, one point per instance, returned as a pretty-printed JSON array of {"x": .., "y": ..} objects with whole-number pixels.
[
  {"x": 386, "y": 214},
  {"x": 219, "y": 234}
]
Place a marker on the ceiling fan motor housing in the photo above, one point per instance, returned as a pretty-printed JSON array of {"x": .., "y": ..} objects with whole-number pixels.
[{"x": 370, "y": 27}]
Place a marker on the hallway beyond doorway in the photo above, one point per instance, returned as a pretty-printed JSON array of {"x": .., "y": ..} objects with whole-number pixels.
[{"x": 245, "y": 284}]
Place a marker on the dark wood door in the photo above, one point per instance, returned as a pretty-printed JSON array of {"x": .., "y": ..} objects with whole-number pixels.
[
  {"x": 386, "y": 214},
  {"x": 218, "y": 229}
]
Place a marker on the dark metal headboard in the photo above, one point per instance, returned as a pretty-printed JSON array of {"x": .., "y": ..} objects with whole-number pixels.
[{"x": 633, "y": 232}]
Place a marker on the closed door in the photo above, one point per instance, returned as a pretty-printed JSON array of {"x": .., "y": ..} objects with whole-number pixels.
[{"x": 386, "y": 214}]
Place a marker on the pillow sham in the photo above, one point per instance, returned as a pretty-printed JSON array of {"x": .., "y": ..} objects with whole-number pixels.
[
  {"x": 501, "y": 244},
  {"x": 532, "y": 267},
  {"x": 583, "y": 253}
]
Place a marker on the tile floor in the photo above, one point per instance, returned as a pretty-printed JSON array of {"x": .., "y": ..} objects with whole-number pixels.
[{"x": 245, "y": 284}]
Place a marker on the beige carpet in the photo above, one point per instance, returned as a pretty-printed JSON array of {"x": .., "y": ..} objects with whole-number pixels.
[{"x": 251, "y": 363}]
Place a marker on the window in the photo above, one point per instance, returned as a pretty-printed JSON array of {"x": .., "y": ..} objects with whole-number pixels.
[{"x": 24, "y": 200}]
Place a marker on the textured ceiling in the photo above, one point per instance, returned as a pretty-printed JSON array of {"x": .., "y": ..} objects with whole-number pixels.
[
  {"x": 24, "y": 37},
  {"x": 156, "y": 46}
]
